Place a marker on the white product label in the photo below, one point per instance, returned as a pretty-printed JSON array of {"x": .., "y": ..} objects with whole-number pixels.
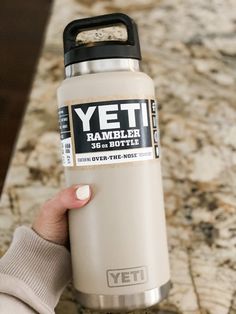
[
  {"x": 109, "y": 132},
  {"x": 114, "y": 157}
]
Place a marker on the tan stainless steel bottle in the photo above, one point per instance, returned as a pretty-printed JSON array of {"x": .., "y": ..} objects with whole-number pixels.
[{"x": 109, "y": 137}]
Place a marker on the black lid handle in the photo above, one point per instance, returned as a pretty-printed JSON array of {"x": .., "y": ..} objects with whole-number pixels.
[
  {"x": 74, "y": 53},
  {"x": 77, "y": 26}
]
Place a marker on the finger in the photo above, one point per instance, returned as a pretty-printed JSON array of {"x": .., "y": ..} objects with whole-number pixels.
[{"x": 75, "y": 196}]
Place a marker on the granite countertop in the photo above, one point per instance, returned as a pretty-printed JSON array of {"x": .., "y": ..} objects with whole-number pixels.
[{"x": 189, "y": 49}]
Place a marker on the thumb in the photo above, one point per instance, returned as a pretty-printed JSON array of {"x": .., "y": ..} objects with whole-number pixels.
[
  {"x": 51, "y": 222},
  {"x": 75, "y": 196}
]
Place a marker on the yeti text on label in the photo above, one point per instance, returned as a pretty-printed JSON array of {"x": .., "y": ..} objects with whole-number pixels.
[{"x": 108, "y": 114}]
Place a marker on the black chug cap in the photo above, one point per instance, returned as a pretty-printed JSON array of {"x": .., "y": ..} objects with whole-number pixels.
[{"x": 74, "y": 53}]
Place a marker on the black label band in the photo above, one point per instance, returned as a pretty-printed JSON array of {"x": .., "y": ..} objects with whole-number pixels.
[{"x": 110, "y": 131}]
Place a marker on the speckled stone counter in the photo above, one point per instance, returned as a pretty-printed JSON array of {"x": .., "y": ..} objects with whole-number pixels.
[{"x": 189, "y": 49}]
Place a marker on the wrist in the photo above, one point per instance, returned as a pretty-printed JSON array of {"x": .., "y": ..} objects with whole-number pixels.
[{"x": 43, "y": 267}]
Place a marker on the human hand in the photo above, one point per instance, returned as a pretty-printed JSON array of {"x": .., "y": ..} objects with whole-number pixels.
[{"x": 51, "y": 222}]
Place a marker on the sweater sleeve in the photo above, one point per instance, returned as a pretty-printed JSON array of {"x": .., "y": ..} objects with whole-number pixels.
[
  {"x": 33, "y": 272},
  {"x": 9, "y": 305}
]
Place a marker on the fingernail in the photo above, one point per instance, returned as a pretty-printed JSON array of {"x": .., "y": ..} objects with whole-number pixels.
[{"x": 83, "y": 192}]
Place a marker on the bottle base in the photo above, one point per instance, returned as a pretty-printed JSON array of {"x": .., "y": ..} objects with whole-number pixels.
[{"x": 124, "y": 302}]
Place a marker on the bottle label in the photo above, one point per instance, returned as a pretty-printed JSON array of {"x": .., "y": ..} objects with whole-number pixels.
[{"x": 109, "y": 132}]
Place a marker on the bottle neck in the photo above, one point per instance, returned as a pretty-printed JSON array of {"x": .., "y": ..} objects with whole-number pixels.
[{"x": 101, "y": 65}]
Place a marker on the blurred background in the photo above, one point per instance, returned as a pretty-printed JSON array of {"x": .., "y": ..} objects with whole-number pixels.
[
  {"x": 189, "y": 50},
  {"x": 22, "y": 30}
]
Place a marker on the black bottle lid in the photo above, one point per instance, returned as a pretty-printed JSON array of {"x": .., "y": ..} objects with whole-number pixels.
[{"x": 74, "y": 53}]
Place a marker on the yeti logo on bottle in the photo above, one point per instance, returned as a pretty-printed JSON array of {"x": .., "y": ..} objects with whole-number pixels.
[
  {"x": 109, "y": 112},
  {"x": 126, "y": 276}
]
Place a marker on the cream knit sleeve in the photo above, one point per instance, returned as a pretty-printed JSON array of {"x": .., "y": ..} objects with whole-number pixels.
[{"x": 33, "y": 274}]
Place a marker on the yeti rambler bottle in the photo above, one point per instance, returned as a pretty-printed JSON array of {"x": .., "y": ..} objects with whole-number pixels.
[{"x": 109, "y": 136}]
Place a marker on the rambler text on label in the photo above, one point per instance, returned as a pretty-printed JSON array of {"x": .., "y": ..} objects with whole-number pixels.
[{"x": 110, "y": 135}]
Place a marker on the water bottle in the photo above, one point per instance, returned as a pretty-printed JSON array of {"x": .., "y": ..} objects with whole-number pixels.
[{"x": 110, "y": 140}]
